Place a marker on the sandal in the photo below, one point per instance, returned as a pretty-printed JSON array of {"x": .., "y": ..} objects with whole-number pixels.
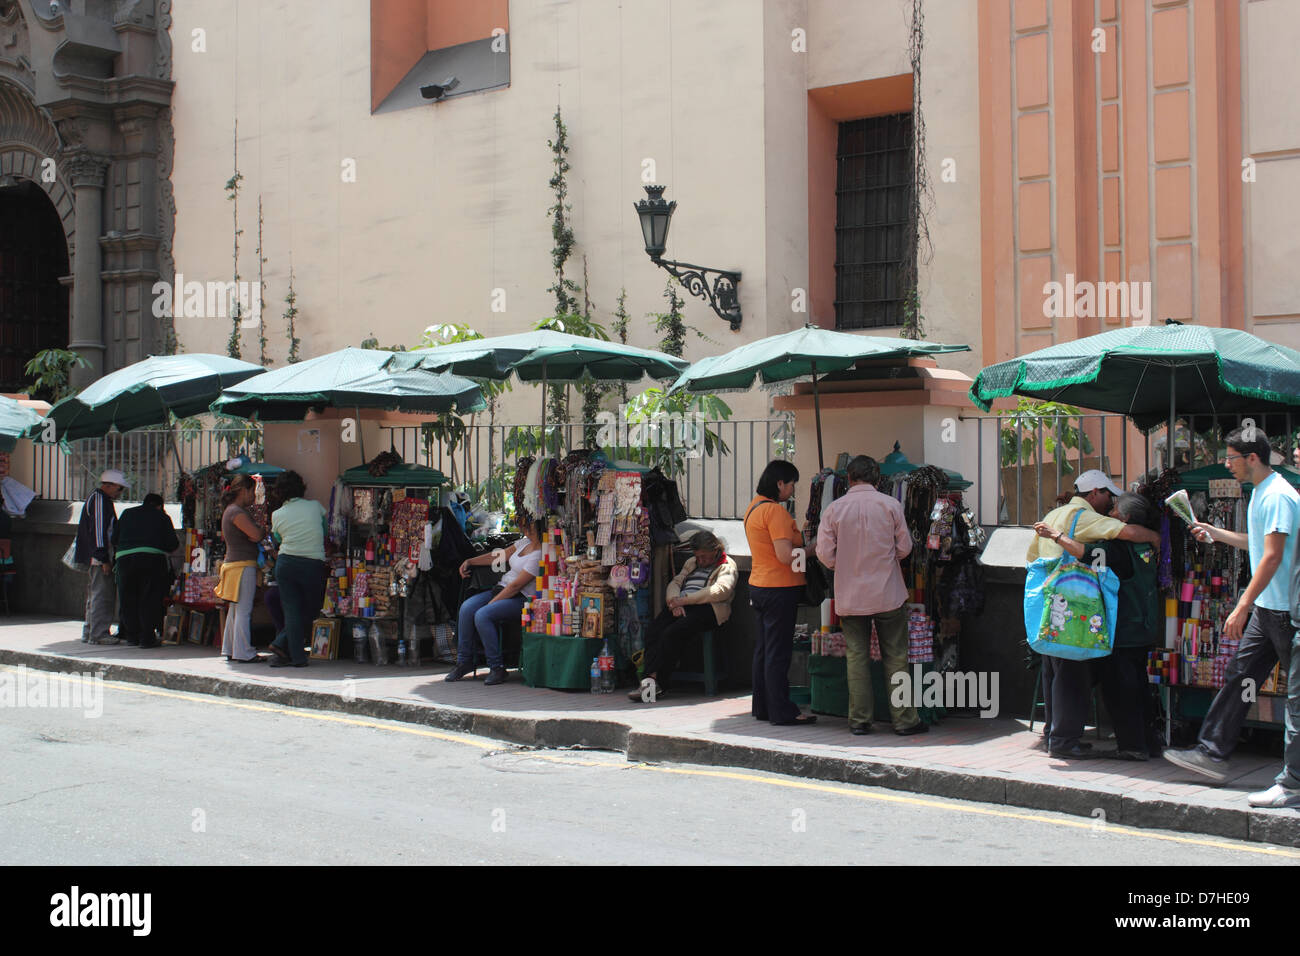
[{"x": 801, "y": 719}]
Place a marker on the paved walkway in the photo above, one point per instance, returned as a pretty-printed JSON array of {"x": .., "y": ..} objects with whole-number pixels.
[{"x": 996, "y": 761}]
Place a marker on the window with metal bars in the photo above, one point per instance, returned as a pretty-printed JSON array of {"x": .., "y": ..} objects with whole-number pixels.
[{"x": 874, "y": 251}]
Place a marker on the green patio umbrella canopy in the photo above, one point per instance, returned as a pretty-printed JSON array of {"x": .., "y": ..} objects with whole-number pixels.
[
  {"x": 16, "y": 420},
  {"x": 1150, "y": 372},
  {"x": 146, "y": 393},
  {"x": 348, "y": 378},
  {"x": 547, "y": 357},
  {"x": 557, "y": 358},
  {"x": 806, "y": 352}
]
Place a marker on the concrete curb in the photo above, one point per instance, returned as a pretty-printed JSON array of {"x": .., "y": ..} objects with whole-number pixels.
[{"x": 1101, "y": 803}]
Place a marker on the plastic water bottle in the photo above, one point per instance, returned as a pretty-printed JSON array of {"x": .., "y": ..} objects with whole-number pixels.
[
  {"x": 401, "y": 653},
  {"x": 606, "y": 661},
  {"x": 595, "y": 675}
]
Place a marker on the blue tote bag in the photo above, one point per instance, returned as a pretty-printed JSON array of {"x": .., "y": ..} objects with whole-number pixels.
[{"x": 1070, "y": 607}]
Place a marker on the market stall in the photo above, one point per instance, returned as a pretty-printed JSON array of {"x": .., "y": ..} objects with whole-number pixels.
[
  {"x": 381, "y": 544},
  {"x": 1153, "y": 375},
  {"x": 593, "y": 597},
  {"x": 942, "y": 575}
]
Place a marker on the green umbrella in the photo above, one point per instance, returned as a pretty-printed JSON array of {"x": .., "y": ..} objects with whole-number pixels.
[
  {"x": 806, "y": 352},
  {"x": 146, "y": 393},
  {"x": 1148, "y": 372},
  {"x": 349, "y": 378},
  {"x": 545, "y": 356},
  {"x": 16, "y": 420}
]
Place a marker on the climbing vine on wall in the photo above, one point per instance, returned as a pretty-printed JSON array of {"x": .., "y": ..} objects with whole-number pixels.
[{"x": 918, "y": 230}]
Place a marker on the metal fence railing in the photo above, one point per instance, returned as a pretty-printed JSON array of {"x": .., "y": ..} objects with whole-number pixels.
[
  {"x": 716, "y": 469},
  {"x": 152, "y": 460},
  {"x": 1021, "y": 471}
]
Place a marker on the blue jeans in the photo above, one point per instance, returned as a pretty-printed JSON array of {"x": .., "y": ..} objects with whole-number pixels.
[
  {"x": 302, "y": 589},
  {"x": 479, "y": 622},
  {"x": 1290, "y": 775},
  {"x": 1265, "y": 641}
]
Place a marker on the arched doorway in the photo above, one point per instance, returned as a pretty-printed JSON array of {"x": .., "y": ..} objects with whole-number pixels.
[{"x": 33, "y": 258}]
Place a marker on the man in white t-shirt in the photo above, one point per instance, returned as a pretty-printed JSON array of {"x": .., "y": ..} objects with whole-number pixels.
[{"x": 1271, "y": 521}]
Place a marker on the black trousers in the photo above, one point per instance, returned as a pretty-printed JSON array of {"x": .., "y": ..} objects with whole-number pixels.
[
  {"x": 1067, "y": 688},
  {"x": 667, "y": 634},
  {"x": 141, "y": 587},
  {"x": 1127, "y": 692},
  {"x": 775, "y": 610}
]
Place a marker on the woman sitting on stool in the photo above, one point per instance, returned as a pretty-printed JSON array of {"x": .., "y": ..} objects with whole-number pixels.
[
  {"x": 699, "y": 600},
  {"x": 481, "y": 617}
]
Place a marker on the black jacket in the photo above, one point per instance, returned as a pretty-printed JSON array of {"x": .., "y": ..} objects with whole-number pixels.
[
  {"x": 95, "y": 529},
  {"x": 144, "y": 527}
]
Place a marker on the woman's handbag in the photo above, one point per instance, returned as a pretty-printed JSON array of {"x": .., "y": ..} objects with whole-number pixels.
[
  {"x": 1070, "y": 607},
  {"x": 816, "y": 585}
]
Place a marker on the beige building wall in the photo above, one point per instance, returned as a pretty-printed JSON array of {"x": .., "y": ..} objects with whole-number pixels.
[
  {"x": 852, "y": 42},
  {"x": 449, "y": 201},
  {"x": 1271, "y": 121}
]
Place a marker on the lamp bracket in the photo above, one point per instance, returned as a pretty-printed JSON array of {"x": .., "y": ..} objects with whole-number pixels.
[{"x": 722, "y": 296}]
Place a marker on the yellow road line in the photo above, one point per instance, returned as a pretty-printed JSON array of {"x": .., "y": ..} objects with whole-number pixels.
[
  {"x": 1109, "y": 828},
  {"x": 276, "y": 709}
]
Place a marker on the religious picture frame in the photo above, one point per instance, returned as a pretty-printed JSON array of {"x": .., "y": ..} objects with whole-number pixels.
[{"x": 325, "y": 639}]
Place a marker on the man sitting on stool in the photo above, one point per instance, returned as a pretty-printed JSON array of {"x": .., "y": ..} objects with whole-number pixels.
[{"x": 699, "y": 600}]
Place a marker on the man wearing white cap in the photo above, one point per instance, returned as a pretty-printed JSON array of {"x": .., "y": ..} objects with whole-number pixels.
[
  {"x": 1067, "y": 685},
  {"x": 94, "y": 548}
]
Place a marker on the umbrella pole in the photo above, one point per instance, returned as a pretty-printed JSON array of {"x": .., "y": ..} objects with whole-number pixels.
[
  {"x": 1169, "y": 437},
  {"x": 361, "y": 435},
  {"x": 176, "y": 451},
  {"x": 543, "y": 409},
  {"x": 817, "y": 409}
]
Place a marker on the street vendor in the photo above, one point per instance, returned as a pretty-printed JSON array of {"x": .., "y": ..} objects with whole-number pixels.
[
  {"x": 698, "y": 600},
  {"x": 481, "y": 616}
]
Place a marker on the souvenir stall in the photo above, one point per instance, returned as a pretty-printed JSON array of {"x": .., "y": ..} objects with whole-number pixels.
[
  {"x": 1201, "y": 583},
  {"x": 195, "y": 613},
  {"x": 942, "y": 576},
  {"x": 380, "y": 546},
  {"x": 593, "y": 599}
]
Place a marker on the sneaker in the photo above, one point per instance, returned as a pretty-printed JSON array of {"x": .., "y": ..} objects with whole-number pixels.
[
  {"x": 1198, "y": 761},
  {"x": 496, "y": 675},
  {"x": 1275, "y": 796},
  {"x": 639, "y": 695}
]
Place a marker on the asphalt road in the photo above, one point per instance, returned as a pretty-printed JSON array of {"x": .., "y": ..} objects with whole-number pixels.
[{"x": 162, "y": 777}]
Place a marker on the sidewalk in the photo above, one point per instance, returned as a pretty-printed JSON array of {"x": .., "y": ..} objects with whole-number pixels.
[{"x": 994, "y": 761}]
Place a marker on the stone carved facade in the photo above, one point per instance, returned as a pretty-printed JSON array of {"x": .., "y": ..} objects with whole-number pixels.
[{"x": 85, "y": 94}]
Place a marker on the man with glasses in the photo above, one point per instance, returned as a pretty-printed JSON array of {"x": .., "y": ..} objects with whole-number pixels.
[
  {"x": 1265, "y": 634},
  {"x": 1067, "y": 685}
]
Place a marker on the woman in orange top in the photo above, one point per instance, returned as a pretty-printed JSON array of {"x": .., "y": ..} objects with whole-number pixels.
[{"x": 774, "y": 592}]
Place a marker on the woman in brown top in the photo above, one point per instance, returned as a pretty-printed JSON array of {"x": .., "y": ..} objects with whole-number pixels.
[{"x": 242, "y": 535}]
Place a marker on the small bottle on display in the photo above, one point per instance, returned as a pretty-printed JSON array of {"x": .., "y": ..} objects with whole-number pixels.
[
  {"x": 606, "y": 670},
  {"x": 595, "y": 675}
]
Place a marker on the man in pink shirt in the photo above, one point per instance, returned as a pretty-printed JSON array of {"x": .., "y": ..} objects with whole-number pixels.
[{"x": 862, "y": 538}]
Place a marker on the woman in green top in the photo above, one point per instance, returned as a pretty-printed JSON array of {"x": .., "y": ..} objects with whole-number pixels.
[
  {"x": 298, "y": 528},
  {"x": 1123, "y": 673}
]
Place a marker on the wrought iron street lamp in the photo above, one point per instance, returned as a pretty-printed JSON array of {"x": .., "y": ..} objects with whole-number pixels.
[{"x": 656, "y": 215}]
